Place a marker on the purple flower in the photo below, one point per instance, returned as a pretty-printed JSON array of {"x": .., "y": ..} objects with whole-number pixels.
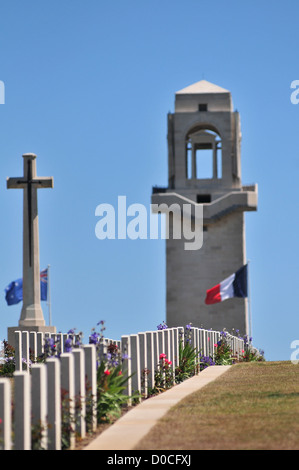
[
  {"x": 94, "y": 338},
  {"x": 68, "y": 345},
  {"x": 206, "y": 361}
]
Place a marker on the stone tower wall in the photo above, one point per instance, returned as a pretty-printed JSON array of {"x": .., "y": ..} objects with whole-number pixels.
[{"x": 191, "y": 273}]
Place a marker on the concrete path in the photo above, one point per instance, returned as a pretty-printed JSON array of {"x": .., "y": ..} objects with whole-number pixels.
[{"x": 136, "y": 423}]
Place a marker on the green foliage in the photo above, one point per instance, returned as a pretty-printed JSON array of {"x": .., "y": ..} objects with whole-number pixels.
[
  {"x": 67, "y": 419},
  {"x": 8, "y": 367},
  {"x": 37, "y": 433},
  {"x": 187, "y": 361},
  {"x": 251, "y": 355},
  {"x": 164, "y": 375},
  {"x": 111, "y": 381},
  {"x": 111, "y": 384},
  {"x": 224, "y": 354}
]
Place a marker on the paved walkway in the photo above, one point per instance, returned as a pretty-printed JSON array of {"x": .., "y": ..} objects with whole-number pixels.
[{"x": 137, "y": 422}]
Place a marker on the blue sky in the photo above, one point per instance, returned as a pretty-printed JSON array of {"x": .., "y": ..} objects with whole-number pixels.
[{"x": 88, "y": 86}]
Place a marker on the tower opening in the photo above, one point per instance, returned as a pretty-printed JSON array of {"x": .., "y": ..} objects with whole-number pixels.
[
  {"x": 204, "y": 161},
  {"x": 203, "y": 155}
]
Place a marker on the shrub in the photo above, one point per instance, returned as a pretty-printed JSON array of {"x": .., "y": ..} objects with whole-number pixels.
[
  {"x": 188, "y": 364},
  {"x": 164, "y": 375},
  {"x": 111, "y": 381},
  {"x": 224, "y": 354},
  {"x": 8, "y": 366},
  {"x": 110, "y": 392}
]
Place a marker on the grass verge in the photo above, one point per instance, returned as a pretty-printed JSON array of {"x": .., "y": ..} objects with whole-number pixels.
[{"x": 254, "y": 406}]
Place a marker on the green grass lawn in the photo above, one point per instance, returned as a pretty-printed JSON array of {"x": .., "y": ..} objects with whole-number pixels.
[{"x": 253, "y": 406}]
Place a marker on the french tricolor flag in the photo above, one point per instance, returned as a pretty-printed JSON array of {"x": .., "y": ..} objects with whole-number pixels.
[{"x": 233, "y": 286}]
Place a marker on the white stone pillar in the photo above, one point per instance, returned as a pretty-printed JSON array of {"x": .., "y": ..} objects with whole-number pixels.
[
  {"x": 195, "y": 346},
  {"x": 68, "y": 392},
  {"x": 126, "y": 365},
  {"x": 80, "y": 392},
  {"x": 143, "y": 362},
  {"x": 59, "y": 346},
  {"x": 90, "y": 363},
  {"x": 5, "y": 415},
  {"x": 176, "y": 346},
  {"x": 39, "y": 401},
  {"x": 22, "y": 411},
  {"x": 18, "y": 350},
  {"x": 135, "y": 363},
  {"x": 161, "y": 343},
  {"x": 157, "y": 352},
  {"x": 25, "y": 350},
  {"x": 150, "y": 358},
  {"x": 40, "y": 343},
  {"x": 54, "y": 403},
  {"x": 205, "y": 347},
  {"x": 33, "y": 344}
]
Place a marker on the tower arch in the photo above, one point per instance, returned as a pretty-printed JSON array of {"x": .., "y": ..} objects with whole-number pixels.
[{"x": 203, "y": 153}]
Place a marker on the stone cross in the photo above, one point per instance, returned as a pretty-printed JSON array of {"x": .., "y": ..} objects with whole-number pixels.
[{"x": 31, "y": 314}]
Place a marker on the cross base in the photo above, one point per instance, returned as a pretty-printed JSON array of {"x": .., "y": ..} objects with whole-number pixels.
[
  {"x": 39, "y": 329},
  {"x": 32, "y": 315}
]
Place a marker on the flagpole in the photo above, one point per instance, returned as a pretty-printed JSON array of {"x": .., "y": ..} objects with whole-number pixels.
[
  {"x": 249, "y": 301},
  {"x": 49, "y": 296}
]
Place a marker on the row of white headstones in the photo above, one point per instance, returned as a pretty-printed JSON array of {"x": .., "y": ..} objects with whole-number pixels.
[{"x": 37, "y": 389}]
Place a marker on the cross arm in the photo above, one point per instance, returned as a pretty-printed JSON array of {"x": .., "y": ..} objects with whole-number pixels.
[
  {"x": 21, "y": 183},
  {"x": 43, "y": 182},
  {"x": 14, "y": 183}
]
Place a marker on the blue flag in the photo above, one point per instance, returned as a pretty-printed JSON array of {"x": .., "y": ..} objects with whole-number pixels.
[{"x": 14, "y": 291}]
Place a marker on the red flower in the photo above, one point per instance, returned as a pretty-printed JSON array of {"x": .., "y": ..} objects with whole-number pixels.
[
  {"x": 107, "y": 372},
  {"x": 162, "y": 356}
]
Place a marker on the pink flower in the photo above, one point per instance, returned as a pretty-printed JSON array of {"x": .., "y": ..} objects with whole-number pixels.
[
  {"x": 162, "y": 356},
  {"x": 107, "y": 372},
  {"x": 168, "y": 362}
]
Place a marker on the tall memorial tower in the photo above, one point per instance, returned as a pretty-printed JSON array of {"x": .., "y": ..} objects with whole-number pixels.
[{"x": 204, "y": 167}]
